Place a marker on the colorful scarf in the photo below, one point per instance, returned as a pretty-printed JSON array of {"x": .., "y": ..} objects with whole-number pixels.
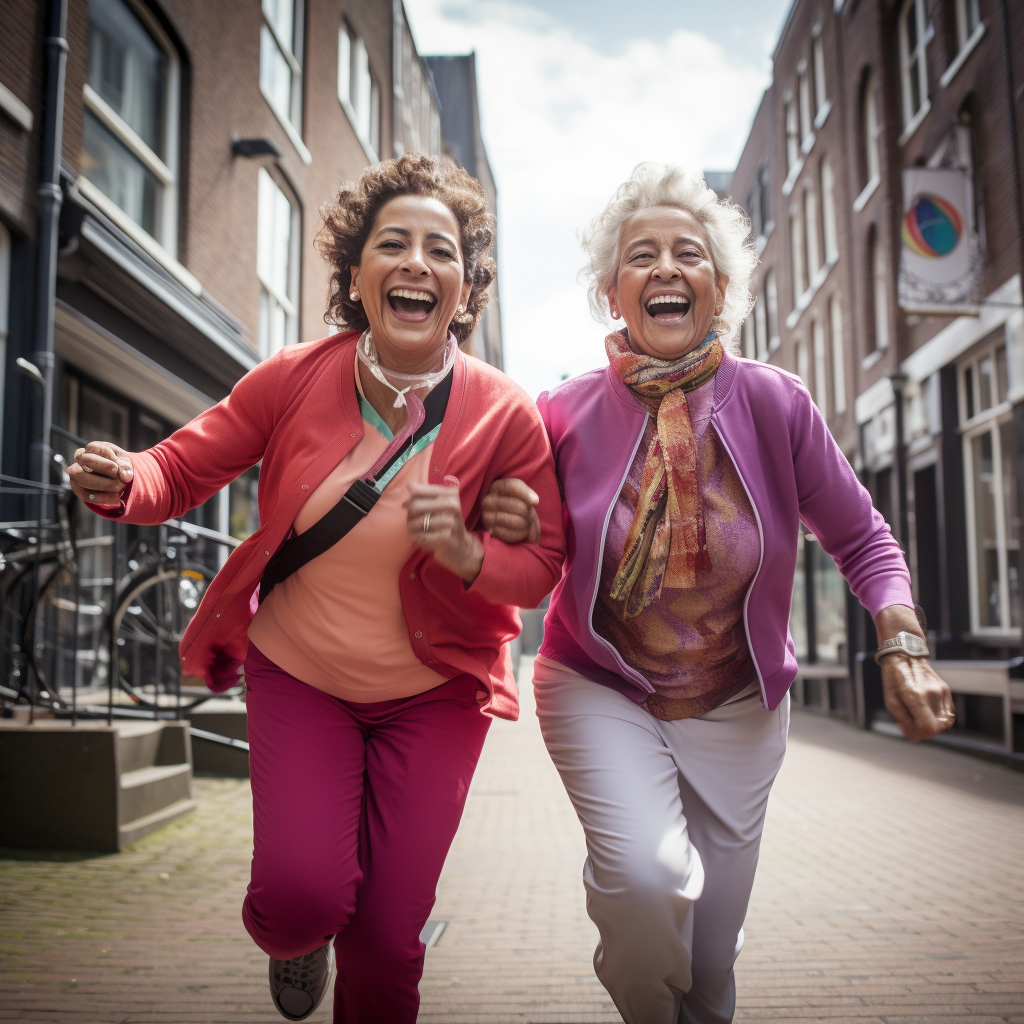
[{"x": 665, "y": 545}]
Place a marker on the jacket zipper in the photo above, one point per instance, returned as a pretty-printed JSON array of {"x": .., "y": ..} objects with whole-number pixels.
[
  {"x": 625, "y": 669},
  {"x": 760, "y": 562}
]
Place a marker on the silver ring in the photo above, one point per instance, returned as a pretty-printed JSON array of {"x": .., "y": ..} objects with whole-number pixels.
[
  {"x": 92, "y": 497},
  {"x": 426, "y": 524}
]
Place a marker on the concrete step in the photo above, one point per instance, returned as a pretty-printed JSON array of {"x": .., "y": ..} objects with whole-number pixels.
[
  {"x": 133, "y": 831},
  {"x": 146, "y": 791},
  {"x": 224, "y": 718},
  {"x": 138, "y": 744}
]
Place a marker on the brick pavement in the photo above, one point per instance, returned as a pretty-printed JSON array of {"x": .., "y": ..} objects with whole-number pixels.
[{"x": 891, "y": 890}]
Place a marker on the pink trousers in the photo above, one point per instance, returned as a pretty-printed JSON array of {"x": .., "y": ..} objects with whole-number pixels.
[{"x": 354, "y": 809}]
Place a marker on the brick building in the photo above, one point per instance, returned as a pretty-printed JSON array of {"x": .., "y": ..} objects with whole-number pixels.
[
  {"x": 929, "y": 408},
  {"x": 199, "y": 141}
]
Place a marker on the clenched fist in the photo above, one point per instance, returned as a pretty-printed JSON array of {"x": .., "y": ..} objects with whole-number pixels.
[
  {"x": 100, "y": 472},
  {"x": 435, "y": 523}
]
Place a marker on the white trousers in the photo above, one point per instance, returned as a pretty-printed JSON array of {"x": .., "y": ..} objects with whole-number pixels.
[{"x": 673, "y": 813}]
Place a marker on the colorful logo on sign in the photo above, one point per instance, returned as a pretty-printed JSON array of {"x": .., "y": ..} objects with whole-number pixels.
[{"x": 932, "y": 226}]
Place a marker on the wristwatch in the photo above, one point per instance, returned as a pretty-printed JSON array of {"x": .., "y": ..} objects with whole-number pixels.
[{"x": 904, "y": 643}]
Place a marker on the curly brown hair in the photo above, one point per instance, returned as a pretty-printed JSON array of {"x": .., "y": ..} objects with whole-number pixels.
[{"x": 348, "y": 220}]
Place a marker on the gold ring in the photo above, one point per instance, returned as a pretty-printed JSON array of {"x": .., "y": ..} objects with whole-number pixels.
[{"x": 426, "y": 524}]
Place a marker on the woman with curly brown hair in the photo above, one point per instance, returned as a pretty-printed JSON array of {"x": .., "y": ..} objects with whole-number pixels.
[{"x": 371, "y": 609}]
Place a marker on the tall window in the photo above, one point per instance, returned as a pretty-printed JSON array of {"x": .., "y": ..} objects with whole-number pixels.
[
  {"x": 828, "y": 212},
  {"x": 803, "y": 368},
  {"x": 820, "y": 368},
  {"x": 872, "y": 130},
  {"x": 749, "y": 341},
  {"x": 796, "y": 255},
  {"x": 992, "y": 516},
  {"x": 879, "y": 290},
  {"x": 913, "y": 65},
  {"x": 771, "y": 302},
  {"x": 835, "y": 317},
  {"x": 130, "y": 130},
  {"x": 357, "y": 89},
  {"x": 803, "y": 84},
  {"x": 761, "y": 327},
  {"x": 276, "y": 265},
  {"x": 811, "y": 228},
  {"x": 968, "y": 20},
  {"x": 819, "y": 75},
  {"x": 281, "y": 60},
  {"x": 792, "y": 134}
]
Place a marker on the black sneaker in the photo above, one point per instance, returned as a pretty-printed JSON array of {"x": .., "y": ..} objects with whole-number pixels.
[{"x": 298, "y": 986}]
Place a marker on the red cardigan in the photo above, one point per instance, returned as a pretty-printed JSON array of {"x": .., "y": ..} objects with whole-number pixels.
[{"x": 298, "y": 412}]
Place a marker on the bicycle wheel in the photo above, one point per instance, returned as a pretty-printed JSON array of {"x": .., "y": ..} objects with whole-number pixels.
[
  {"x": 16, "y": 588},
  {"x": 154, "y": 608}
]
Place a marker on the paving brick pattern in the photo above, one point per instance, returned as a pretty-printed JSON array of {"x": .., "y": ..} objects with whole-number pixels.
[{"x": 891, "y": 890}]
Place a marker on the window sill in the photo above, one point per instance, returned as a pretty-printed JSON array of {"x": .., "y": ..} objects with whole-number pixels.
[
  {"x": 368, "y": 150},
  {"x": 111, "y": 210},
  {"x": 808, "y": 143},
  {"x": 959, "y": 60},
  {"x": 866, "y": 193},
  {"x": 820, "y": 276},
  {"x": 289, "y": 129},
  {"x": 794, "y": 173},
  {"x": 15, "y": 109},
  {"x": 915, "y": 123},
  {"x": 822, "y": 115},
  {"x": 869, "y": 360}
]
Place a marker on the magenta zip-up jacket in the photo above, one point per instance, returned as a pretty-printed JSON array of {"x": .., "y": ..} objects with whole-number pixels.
[{"x": 792, "y": 471}]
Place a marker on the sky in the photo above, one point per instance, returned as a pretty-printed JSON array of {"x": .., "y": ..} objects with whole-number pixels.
[{"x": 573, "y": 94}]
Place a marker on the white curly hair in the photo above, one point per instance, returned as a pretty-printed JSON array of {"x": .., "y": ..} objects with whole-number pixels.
[{"x": 731, "y": 246}]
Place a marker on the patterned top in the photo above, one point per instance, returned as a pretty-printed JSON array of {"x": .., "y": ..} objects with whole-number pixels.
[{"x": 692, "y": 645}]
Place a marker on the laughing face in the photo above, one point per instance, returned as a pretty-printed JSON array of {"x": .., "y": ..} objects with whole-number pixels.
[
  {"x": 411, "y": 281},
  {"x": 666, "y": 290}
]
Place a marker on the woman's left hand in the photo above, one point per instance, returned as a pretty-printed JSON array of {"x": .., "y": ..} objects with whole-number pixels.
[
  {"x": 435, "y": 523},
  {"x": 916, "y": 697}
]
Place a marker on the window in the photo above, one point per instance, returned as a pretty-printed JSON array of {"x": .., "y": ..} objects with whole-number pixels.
[
  {"x": 5, "y": 285},
  {"x": 277, "y": 265},
  {"x": 835, "y": 317},
  {"x": 879, "y": 291},
  {"x": 792, "y": 134},
  {"x": 872, "y": 130},
  {"x": 968, "y": 19},
  {"x": 130, "y": 130},
  {"x": 803, "y": 91},
  {"x": 828, "y": 212},
  {"x": 760, "y": 329},
  {"x": 749, "y": 340},
  {"x": 281, "y": 61},
  {"x": 803, "y": 369},
  {"x": 796, "y": 256},
  {"x": 811, "y": 228},
  {"x": 358, "y": 91},
  {"x": 771, "y": 301},
  {"x": 820, "y": 371},
  {"x": 914, "y": 36},
  {"x": 992, "y": 516},
  {"x": 758, "y": 203},
  {"x": 819, "y": 76}
]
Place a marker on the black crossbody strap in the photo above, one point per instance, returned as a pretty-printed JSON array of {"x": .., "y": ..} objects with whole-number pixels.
[{"x": 357, "y": 501}]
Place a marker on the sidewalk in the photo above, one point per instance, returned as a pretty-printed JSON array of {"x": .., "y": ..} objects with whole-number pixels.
[{"x": 891, "y": 890}]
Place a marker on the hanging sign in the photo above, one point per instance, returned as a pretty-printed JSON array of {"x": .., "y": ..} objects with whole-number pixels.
[{"x": 940, "y": 256}]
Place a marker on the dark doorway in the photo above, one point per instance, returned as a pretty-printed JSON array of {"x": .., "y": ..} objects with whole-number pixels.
[{"x": 926, "y": 514}]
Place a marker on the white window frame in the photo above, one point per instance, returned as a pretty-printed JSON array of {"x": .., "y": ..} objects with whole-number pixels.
[
  {"x": 290, "y": 119},
  {"x": 835, "y": 309},
  {"x": 803, "y": 364},
  {"x": 749, "y": 338},
  {"x": 363, "y": 112},
  {"x": 761, "y": 328},
  {"x": 820, "y": 365},
  {"x": 880, "y": 293},
  {"x": 829, "y": 226},
  {"x": 771, "y": 301},
  {"x": 818, "y": 56},
  {"x": 913, "y": 63},
  {"x": 796, "y": 254},
  {"x": 803, "y": 91},
  {"x": 792, "y": 127},
  {"x": 872, "y": 124},
  {"x": 165, "y": 171},
  {"x": 288, "y": 302},
  {"x": 986, "y": 421},
  {"x": 967, "y": 12},
  {"x": 811, "y": 248}
]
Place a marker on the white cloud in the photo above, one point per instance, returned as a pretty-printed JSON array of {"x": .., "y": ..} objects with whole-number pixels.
[{"x": 564, "y": 124}]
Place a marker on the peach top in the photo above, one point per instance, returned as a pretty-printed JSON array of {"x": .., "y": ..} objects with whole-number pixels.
[{"x": 338, "y": 623}]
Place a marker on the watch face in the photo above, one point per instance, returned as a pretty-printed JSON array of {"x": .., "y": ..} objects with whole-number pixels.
[{"x": 913, "y": 644}]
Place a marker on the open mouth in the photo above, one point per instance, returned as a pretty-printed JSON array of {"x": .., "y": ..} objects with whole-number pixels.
[
  {"x": 667, "y": 309},
  {"x": 411, "y": 305}
]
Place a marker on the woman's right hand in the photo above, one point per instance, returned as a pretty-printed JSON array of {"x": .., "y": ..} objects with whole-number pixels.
[
  {"x": 100, "y": 472},
  {"x": 509, "y": 512}
]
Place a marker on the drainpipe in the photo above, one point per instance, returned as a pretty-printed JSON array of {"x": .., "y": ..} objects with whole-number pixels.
[{"x": 50, "y": 200}]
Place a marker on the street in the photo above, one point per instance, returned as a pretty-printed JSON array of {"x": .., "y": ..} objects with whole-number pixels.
[{"x": 891, "y": 889}]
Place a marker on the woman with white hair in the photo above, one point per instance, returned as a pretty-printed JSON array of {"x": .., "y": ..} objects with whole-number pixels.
[{"x": 662, "y": 684}]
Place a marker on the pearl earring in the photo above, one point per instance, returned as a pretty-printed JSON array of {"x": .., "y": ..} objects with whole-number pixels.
[
  {"x": 461, "y": 309},
  {"x": 354, "y": 295},
  {"x": 615, "y": 314}
]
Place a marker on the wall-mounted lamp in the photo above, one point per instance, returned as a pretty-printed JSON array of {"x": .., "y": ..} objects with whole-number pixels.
[{"x": 254, "y": 147}]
